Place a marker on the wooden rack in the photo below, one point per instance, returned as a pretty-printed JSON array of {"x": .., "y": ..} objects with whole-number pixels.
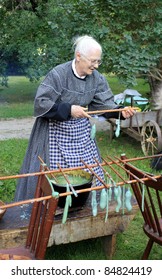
[{"x": 81, "y": 224}]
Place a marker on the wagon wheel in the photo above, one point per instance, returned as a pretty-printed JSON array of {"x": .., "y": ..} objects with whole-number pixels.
[{"x": 151, "y": 142}]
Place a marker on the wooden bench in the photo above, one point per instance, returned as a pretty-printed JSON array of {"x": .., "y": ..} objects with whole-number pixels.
[{"x": 80, "y": 225}]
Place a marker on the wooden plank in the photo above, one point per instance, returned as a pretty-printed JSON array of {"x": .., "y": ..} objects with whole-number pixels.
[
  {"x": 89, "y": 227},
  {"x": 80, "y": 225}
]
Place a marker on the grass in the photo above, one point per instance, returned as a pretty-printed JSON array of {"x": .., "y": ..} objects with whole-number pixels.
[
  {"x": 19, "y": 90},
  {"x": 17, "y": 101},
  {"x": 142, "y": 86},
  {"x": 11, "y": 154},
  {"x": 16, "y": 110}
]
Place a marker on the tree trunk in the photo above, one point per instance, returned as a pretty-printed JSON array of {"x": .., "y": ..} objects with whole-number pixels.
[{"x": 155, "y": 82}]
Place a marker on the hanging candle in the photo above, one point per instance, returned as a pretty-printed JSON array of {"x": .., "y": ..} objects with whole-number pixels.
[
  {"x": 93, "y": 132},
  {"x": 68, "y": 204},
  {"x": 117, "y": 193},
  {"x": 128, "y": 196},
  {"x": 117, "y": 131},
  {"x": 103, "y": 199},
  {"x": 107, "y": 206},
  {"x": 94, "y": 203}
]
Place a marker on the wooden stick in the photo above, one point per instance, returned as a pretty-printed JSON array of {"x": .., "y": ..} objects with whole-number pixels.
[
  {"x": 144, "y": 174},
  {"x": 94, "y": 173},
  {"x": 115, "y": 171},
  {"x": 141, "y": 158},
  {"x": 111, "y": 110},
  {"x": 105, "y": 171},
  {"x": 67, "y": 180},
  {"x": 43, "y": 172},
  {"x": 17, "y": 176},
  {"x": 41, "y": 160},
  {"x": 134, "y": 176},
  {"x": 18, "y": 203}
]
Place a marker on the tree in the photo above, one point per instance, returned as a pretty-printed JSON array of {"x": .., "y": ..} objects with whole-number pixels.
[{"x": 36, "y": 35}]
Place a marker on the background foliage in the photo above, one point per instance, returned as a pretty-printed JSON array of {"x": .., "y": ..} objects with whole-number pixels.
[{"x": 38, "y": 34}]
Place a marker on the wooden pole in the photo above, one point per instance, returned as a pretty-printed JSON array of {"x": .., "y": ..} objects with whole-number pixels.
[
  {"x": 115, "y": 171},
  {"x": 94, "y": 173},
  {"x": 111, "y": 110},
  {"x": 17, "y": 176},
  {"x": 18, "y": 203},
  {"x": 46, "y": 167},
  {"x": 133, "y": 175},
  {"x": 144, "y": 173}
]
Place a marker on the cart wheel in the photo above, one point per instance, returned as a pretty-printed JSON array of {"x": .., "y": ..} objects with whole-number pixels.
[{"x": 151, "y": 138}]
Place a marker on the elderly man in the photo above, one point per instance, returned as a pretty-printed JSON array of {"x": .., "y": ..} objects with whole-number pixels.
[{"x": 61, "y": 133}]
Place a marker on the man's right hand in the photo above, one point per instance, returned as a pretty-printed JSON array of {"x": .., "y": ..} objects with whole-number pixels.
[{"x": 79, "y": 112}]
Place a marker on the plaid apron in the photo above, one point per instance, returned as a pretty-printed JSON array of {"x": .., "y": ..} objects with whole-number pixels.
[{"x": 69, "y": 142}]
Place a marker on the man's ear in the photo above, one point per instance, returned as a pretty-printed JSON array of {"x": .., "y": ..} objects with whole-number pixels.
[{"x": 78, "y": 56}]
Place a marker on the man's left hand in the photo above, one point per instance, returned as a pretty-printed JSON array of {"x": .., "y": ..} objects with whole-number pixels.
[{"x": 128, "y": 112}]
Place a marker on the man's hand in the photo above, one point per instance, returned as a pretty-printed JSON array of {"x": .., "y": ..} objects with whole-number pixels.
[
  {"x": 79, "y": 112},
  {"x": 128, "y": 112}
]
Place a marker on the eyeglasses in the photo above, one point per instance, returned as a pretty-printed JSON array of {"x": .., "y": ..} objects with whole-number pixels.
[{"x": 93, "y": 62}]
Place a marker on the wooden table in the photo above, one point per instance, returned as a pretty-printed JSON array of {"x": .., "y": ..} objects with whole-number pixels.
[{"x": 80, "y": 225}]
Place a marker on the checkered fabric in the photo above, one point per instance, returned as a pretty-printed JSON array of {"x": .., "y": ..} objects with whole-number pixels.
[{"x": 69, "y": 142}]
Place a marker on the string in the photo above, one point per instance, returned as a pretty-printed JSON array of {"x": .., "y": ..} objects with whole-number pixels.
[
  {"x": 107, "y": 206},
  {"x": 123, "y": 204},
  {"x": 117, "y": 131},
  {"x": 93, "y": 199},
  {"x": 68, "y": 204},
  {"x": 53, "y": 192},
  {"x": 94, "y": 203},
  {"x": 103, "y": 199}
]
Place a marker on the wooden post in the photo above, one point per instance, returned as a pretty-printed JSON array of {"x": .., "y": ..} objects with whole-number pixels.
[{"x": 109, "y": 245}]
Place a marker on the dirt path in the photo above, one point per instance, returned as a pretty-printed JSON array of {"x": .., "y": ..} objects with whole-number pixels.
[
  {"x": 21, "y": 128},
  {"x": 15, "y": 128}
]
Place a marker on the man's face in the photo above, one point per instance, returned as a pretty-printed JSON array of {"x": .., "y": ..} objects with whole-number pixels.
[{"x": 87, "y": 63}]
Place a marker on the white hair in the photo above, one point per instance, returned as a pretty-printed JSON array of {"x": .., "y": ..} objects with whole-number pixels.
[{"x": 84, "y": 44}]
